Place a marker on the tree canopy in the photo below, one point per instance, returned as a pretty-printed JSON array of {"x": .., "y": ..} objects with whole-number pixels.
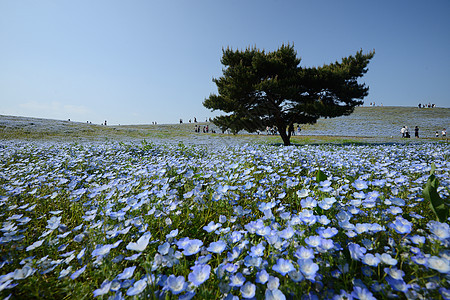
[{"x": 260, "y": 89}]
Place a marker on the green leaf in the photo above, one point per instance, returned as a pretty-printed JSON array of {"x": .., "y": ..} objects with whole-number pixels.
[
  {"x": 433, "y": 168},
  {"x": 440, "y": 207},
  {"x": 320, "y": 176}
]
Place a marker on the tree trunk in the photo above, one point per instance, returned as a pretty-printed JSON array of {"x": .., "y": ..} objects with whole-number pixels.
[{"x": 286, "y": 137}]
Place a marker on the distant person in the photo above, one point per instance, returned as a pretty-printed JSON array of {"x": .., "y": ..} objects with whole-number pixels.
[
  {"x": 444, "y": 132},
  {"x": 420, "y": 105},
  {"x": 105, "y": 122},
  {"x": 195, "y": 120},
  {"x": 299, "y": 129},
  {"x": 403, "y": 131},
  {"x": 181, "y": 121},
  {"x": 407, "y": 132},
  {"x": 437, "y": 134},
  {"x": 416, "y": 131}
]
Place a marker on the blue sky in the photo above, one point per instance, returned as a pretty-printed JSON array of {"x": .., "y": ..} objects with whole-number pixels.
[{"x": 136, "y": 62}]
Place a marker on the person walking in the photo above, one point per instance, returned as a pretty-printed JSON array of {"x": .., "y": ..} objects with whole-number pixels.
[
  {"x": 402, "y": 131},
  {"x": 416, "y": 131},
  {"x": 444, "y": 132}
]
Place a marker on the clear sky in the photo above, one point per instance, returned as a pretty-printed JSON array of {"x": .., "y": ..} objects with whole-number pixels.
[{"x": 140, "y": 61}]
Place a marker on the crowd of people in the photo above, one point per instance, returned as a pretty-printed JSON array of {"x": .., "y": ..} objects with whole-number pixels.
[
  {"x": 405, "y": 132},
  {"x": 429, "y": 105}
]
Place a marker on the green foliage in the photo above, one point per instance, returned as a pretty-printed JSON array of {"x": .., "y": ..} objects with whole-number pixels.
[
  {"x": 320, "y": 176},
  {"x": 439, "y": 206},
  {"x": 260, "y": 89}
]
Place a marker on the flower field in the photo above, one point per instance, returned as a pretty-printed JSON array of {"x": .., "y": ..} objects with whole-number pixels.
[{"x": 117, "y": 221}]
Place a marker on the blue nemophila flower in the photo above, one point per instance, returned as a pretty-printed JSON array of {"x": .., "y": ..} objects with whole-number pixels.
[
  {"x": 104, "y": 288},
  {"x": 164, "y": 248},
  {"x": 360, "y": 185},
  {"x": 371, "y": 260},
  {"x": 141, "y": 243},
  {"x": 176, "y": 284},
  {"x": 212, "y": 226},
  {"x": 283, "y": 266},
  {"x": 248, "y": 290},
  {"x": 362, "y": 293},
  {"x": 308, "y": 268},
  {"x": 360, "y": 195},
  {"x": 327, "y": 233},
  {"x": 235, "y": 237},
  {"x": 65, "y": 272},
  {"x": 395, "y": 210},
  {"x": 104, "y": 250},
  {"x": 419, "y": 259},
  {"x": 222, "y": 219},
  {"x": 262, "y": 276},
  {"x": 445, "y": 293},
  {"x": 379, "y": 182},
  {"x": 323, "y": 220},
  {"x": 275, "y": 294},
  {"x": 191, "y": 247},
  {"x": 304, "y": 253},
  {"x": 287, "y": 233},
  {"x": 362, "y": 227},
  {"x": 303, "y": 193},
  {"x": 233, "y": 254},
  {"x": 327, "y": 203},
  {"x": 386, "y": 259},
  {"x": 440, "y": 230},
  {"x": 127, "y": 273},
  {"x": 253, "y": 261},
  {"x": 217, "y": 247},
  {"x": 401, "y": 225},
  {"x": 53, "y": 223},
  {"x": 394, "y": 273},
  {"x": 77, "y": 273},
  {"x": 200, "y": 273},
  {"x": 172, "y": 234},
  {"x": 356, "y": 251},
  {"x": 307, "y": 217},
  {"x": 273, "y": 283},
  {"x": 253, "y": 226},
  {"x": 133, "y": 257},
  {"x": 203, "y": 259},
  {"x": 309, "y": 202},
  {"x": 257, "y": 250},
  {"x": 397, "y": 284},
  {"x": 231, "y": 268},
  {"x": 417, "y": 239},
  {"x": 137, "y": 288},
  {"x": 34, "y": 245},
  {"x": 237, "y": 280},
  {"x": 440, "y": 264},
  {"x": 23, "y": 273},
  {"x": 395, "y": 201},
  {"x": 314, "y": 241},
  {"x": 81, "y": 253}
]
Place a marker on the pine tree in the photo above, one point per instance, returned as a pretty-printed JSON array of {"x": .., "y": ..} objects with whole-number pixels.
[{"x": 260, "y": 89}]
